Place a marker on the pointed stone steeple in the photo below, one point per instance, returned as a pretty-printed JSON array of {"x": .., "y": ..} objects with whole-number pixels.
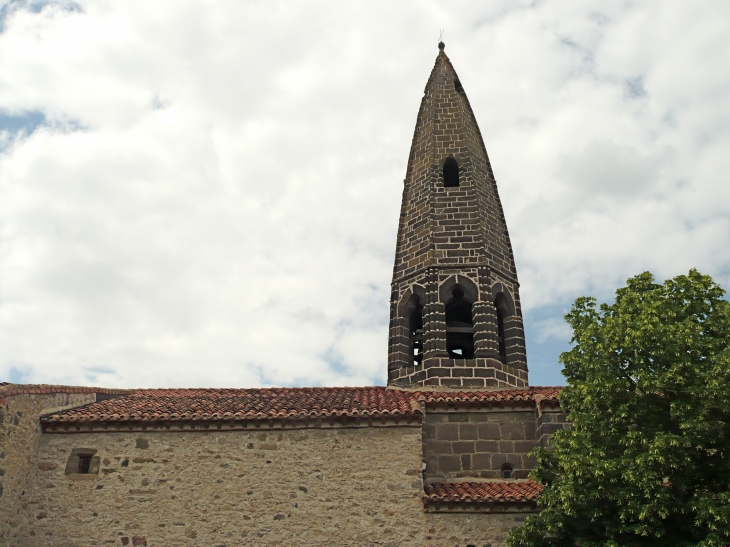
[{"x": 455, "y": 317}]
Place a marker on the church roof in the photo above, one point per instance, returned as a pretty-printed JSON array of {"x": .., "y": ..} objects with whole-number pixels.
[
  {"x": 488, "y": 492},
  {"x": 206, "y": 404},
  {"x": 152, "y": 405}
]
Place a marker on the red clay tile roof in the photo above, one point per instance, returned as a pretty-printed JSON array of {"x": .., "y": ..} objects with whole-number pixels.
[
  {"x": 207, "y": 404},
  {"x": 489, "y": 492},
  {"x": 151, "y": 405},
  {"x": 536, "y": 393}
]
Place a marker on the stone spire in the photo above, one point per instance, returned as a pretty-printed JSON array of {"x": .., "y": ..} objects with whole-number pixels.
[{"x": 455, "y": 317}]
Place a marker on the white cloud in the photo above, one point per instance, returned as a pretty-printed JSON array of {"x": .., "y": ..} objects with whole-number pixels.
[
  {"x": 553, "y": 328},
  {"x": 213, "y": 197}
]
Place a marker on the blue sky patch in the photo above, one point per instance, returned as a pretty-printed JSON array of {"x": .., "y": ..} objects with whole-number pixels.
[
  {"x": 18, "y": 376},
  {"x": 26, "y": 122},
  {"x": 547, "y": 335}
]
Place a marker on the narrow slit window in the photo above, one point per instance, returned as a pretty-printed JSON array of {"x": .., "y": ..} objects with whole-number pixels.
[
  {"x": 84, "y": 463},
  {"x": 451, "y": 173}
]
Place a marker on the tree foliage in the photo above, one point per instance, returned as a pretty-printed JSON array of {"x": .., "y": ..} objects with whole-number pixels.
[{"x": 647, "y": 459}]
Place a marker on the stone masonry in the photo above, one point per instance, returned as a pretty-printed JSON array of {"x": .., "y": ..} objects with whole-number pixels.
[
  {"x": 453, "y": 238},
  {"x": 319, "y": 477},
  {"x": 318, "y": 487},
  {"x": 482, "y": 441},
  {"x": 20, "y": 437}
]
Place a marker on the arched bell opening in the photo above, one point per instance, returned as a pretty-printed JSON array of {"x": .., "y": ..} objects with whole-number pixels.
[
  {"x": 451, "y": 173},
  {"x": 415, "y": 330},
  {"x": 459, "y": 326},
  {"x": 410, "y": 314},
  {"x": 502, "y": 311}
]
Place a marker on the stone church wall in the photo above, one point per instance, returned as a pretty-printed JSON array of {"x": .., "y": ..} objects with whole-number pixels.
[
  {"x": 330, "y": 486},
  {"x": 477, "y": 444},
  {"x": 470, "y": 529},
  {"x": 359, "y": 486},
  {"x": 20, "y": 435}
]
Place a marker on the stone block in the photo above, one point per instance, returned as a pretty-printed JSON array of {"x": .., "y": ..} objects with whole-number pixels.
[
  {"x": 498, "y": 460},
  {"x": 506, "y": 447},
  {"x": 481, "y": 461},
  {"x": 451, "y": 382},
  {"x": 512, "y": 431},
  {"x": 487, "y": 446},
  {"x": 418, "y": 377},
  {"x": 488, "y": 431},
  {"x": 468, "y": 432},
  {"x": 523, "y": 446},
  {"x": 448, "y": 464},
  {"x": 438, "y": 447},
  {"x": 447, "y": 432},
  {"x": 530, "y": 429},
  {"x": 462, "y": 447}
]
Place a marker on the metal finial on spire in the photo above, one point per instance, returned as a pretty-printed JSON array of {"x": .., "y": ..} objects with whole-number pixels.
[{"x": 441, "y": 42}]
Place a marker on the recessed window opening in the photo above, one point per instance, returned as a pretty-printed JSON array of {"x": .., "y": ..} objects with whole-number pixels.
[
  {"x": 459, "y": 326},
  {"x": 451, "y": 173},
  {"x": 415, "y": 323},
  {"x": 507, "y": 471},
  {"x": 501, "y": 315},
  {"x": 84, "y": 463},
  {"x": 458, "y": 86}
]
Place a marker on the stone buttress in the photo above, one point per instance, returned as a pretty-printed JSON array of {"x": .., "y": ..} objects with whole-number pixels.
[{"x": 455, "y": 317}]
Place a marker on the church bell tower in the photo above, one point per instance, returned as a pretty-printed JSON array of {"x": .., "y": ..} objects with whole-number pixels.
[{"x": 455, "y": 317}]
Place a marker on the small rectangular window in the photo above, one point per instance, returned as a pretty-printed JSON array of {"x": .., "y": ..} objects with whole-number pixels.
[{"x": 84, "y": 463}]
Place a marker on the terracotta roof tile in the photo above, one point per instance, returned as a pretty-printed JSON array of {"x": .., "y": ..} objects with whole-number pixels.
[
  {"x": 206, "y": 404},
  {"x": 489, "y": 492},
  {"x": 536, "y": 393},
  {"x": 151, "y": 405}
]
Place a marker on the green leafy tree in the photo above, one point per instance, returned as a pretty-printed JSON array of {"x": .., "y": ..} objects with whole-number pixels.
[{"x": 647, "y": 458}]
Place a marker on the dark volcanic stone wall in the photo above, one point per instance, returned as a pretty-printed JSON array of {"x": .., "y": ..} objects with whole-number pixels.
[
  {"x": 448, "y": 237},
  {"x": 478, "y": 443}
]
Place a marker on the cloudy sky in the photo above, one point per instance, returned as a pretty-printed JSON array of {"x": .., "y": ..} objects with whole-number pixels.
[{"x": 207, "y": 193}]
